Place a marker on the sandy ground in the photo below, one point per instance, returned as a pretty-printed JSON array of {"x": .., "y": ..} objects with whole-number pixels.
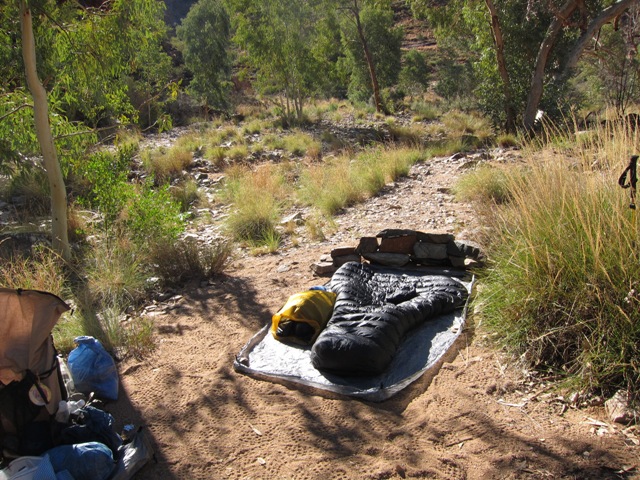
[{"x": 476, "y": 416}]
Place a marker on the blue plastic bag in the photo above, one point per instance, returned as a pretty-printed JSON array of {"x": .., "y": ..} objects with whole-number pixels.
[
  {"x": 84, "y": 461},
  {"x": 93, "y": 369}
]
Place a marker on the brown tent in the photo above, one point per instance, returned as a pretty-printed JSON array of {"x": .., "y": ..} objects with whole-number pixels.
[{"x": 27, "y": 318}]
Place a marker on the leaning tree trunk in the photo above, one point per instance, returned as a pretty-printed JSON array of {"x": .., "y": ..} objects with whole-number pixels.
[
  {"x": 368, "y": 57},
  {"x": 605, "y": 16},
  {"x": 510, "y": 123},
  {"x": 537, "y": 80},
  {"x": 59, "y": 236}
]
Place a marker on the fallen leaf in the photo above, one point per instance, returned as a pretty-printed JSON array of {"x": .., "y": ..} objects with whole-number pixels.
[{"x": 255, "y": 430}]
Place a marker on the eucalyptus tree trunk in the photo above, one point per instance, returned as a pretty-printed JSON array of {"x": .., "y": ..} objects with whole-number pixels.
[
  {"x": 368, "y": 57},
  {"x": 502, "y": 68},
  {"x": 59, "y": 236},
  {"x": 537, "y": 81}
]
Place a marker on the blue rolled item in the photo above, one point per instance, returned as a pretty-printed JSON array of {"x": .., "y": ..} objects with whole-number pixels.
[
  {"x": 83, "y": 461},
  {"x": 93, "y": 369}
]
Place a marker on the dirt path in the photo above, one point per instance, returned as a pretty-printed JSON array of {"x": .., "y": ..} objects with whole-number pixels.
[{"x": 478, "y": 417}]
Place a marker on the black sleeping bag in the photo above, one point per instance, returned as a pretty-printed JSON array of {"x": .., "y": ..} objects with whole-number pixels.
[{"x": 374, "y": 309}]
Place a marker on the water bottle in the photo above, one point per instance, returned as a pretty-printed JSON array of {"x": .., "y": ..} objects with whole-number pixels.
[{"x": 66, "y": 377}]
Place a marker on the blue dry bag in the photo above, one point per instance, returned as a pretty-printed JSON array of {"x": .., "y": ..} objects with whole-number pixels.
[{"x": 93, "y": 369}]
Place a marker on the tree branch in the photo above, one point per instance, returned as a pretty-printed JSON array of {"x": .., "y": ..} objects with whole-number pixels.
[{"x": 8, "y": 114}]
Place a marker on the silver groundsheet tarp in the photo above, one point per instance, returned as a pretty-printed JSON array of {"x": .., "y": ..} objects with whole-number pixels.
[{"x": 266, "y": 358}]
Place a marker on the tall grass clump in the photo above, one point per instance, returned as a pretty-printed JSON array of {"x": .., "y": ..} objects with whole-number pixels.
[
  {"x": 300, "y": 144},
  {"x": 185, "y": 260},
  {"x": 39, "y": 269},
  {"x": 167, "y": 164},
  {"x": 257, "y": 198},
  {"x": 461, "y": 124},
  {"x": 484, "y": 185},
  {"x": 563, "y": 287},
  {"x": 343, "y": 181},
  {"x": 412, "y": 136}
]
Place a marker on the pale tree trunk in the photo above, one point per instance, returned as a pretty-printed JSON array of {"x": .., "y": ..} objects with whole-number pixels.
[
  {"x": 537, "y": 79},
  {"x": 605, "y": 16},
  {"x": 59, "y": 236},
  {"x": 367, "y": 55},
  {"x": 502, "y": 68}
]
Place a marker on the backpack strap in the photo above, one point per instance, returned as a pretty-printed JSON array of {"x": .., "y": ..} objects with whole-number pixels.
[{"x": 632, "y": 172}]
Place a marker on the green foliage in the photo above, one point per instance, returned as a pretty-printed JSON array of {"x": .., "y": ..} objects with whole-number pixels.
[
  {"x": 205, "y": 34},
  {"x": 610, "y": 76},
  {"x": 153, "y": 216},
  {"x": 105, "y": 183},
  {"x": 88, "y": 59},
  {"x": 282, "y": 40},
  {"x": 415, "y": 73},
  {"x": 384, "y": 40},
  {"x": 455, "y": 76}
]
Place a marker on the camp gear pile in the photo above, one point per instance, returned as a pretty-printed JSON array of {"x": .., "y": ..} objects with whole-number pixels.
[{"x": 52, "y": 425}]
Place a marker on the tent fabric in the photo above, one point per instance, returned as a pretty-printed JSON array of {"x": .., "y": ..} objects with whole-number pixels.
[
  {"x": 27, "y": 318},
  {"x": 419, "y": 353},
  {"x": 374, "y": 310}
]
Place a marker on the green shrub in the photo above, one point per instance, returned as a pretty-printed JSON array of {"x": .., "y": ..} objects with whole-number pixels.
[
  {"x": 106, "y": 188},
  {"x": 153, "y": 216}
]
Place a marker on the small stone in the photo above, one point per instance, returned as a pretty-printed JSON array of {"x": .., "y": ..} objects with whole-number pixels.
[
  {"x": 295, "y": 218},
  {"x": 367, "y": 245},
  {"x": 619, "y": 408},
  {"x": 402, "y": 244},
  {"x": 342, "y": 251},
  {"x": 388, "y": 259},
  {"x": 341, "y": 260},
  {"x": 430, "y": 251},
  {"x": 435, "y": 237},
  {"x": 323, "y": 268}
]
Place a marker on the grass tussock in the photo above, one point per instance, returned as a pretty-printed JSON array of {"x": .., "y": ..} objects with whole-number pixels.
[
  {"x": 167, "y": 164},
  {"x": 41, "y": 269},
  {"x": 257, "y": 197},
  {"x": 561, "y": 291},
  {"x": 344, "y": 181},
  {"x": 473, "y": 128},
  {"x": 187, "y": 260},
  {"x": 484, "y": 185},
  {"x": 412, "y": 136}
]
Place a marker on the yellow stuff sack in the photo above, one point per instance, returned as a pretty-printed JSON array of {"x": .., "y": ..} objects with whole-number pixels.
[{"x": 303, "y": 317}]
